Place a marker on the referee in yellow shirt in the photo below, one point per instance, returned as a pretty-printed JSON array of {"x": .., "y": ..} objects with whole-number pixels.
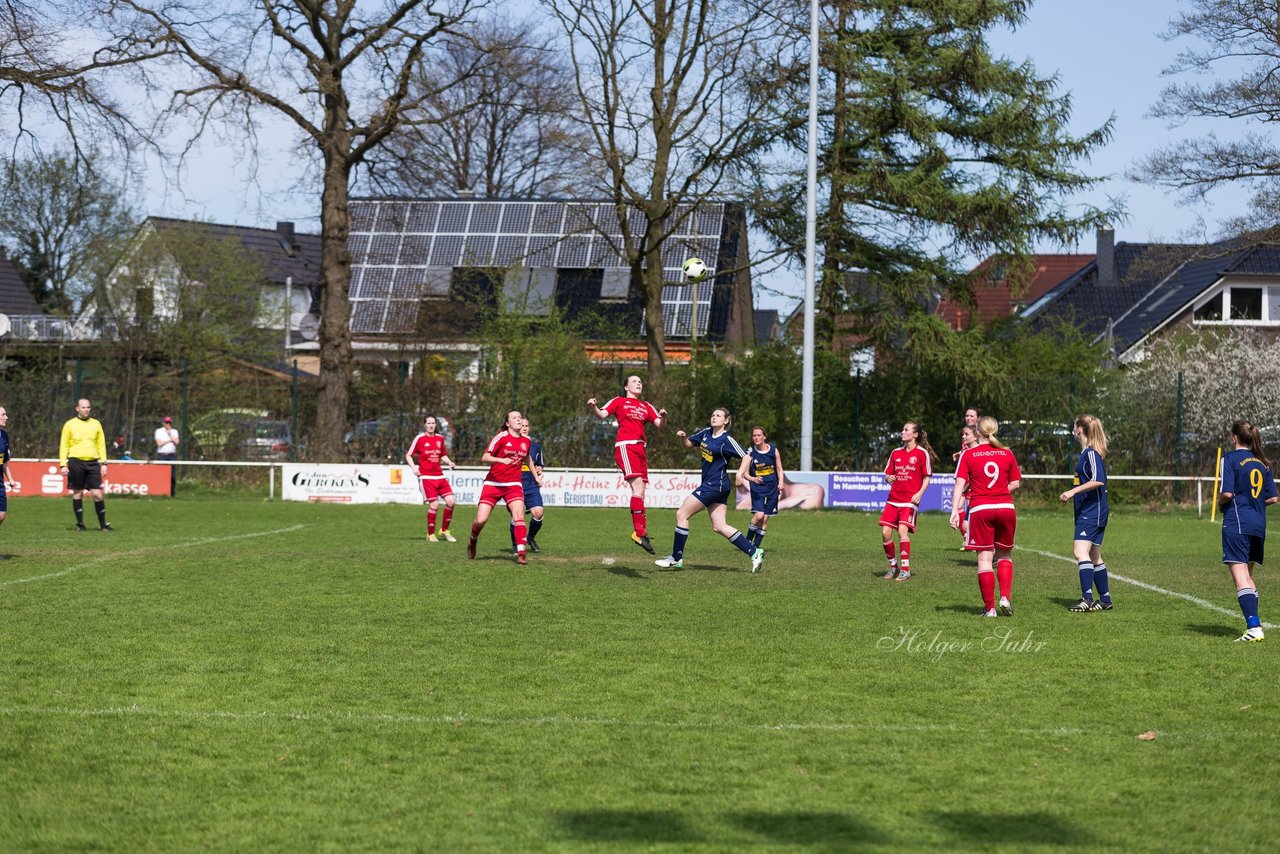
[{"x": 83, "y": 457}]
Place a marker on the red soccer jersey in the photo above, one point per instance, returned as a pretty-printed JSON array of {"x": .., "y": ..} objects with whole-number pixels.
[
  {"x": 428, "y": 450},
  {"x": 513, "y": 449},
  {"x": 988, "y": 472},
  {"x": 632, "y": 415},
  {"x": 909, "y": 469}
]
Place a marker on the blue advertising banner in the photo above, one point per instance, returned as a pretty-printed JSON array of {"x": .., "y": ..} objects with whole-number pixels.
[{"x": 869, "y": 491}]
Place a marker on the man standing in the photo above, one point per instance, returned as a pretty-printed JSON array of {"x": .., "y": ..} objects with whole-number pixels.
[
  {"x": 82, "y": 454},
  {"x": 5, "y": 455},
  {"x": 167, "y": 449},
  {"x": 629, "y": 451}
]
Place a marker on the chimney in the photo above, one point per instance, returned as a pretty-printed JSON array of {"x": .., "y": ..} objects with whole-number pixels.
[
  {"x": 284, "y": 230},
  {"x": 1106, "y": 258}
]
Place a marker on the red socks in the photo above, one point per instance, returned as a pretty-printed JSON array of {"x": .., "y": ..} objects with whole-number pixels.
[
  {"x": 521, "y": 539},
  {"x": 888, "y": 550},
  {"x": 637, "y": 516},
  {"x": 987, "y": 584},
  {"x": 1004, "y": 572},
  {"x": 447, "y": 518},
  {"x": 431, "y": 521},
  {"x": 904, "y": 554}
]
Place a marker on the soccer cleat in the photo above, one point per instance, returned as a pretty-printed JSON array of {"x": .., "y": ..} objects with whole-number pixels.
[
  {"x": 80, "y": 529},
  {"x": 449, "y": 538},
  {"x": 669, "y": 563},
  {"x": 432, "y": 538},
  {"x": 522, "y": 558},
  {"x": 105, "y": 527},
  {"x": 471, "y": 549},
  {"x": 1253, "y": 635},
  {"x": 1005, "y": 607},
  {"x": 991, "y": 612},
  {"x": 642, "y": 542},
  {"x": 757, "y": 559},
  {"x": 1084, "y": 605},
  {"x": 891, "y": 574},
  {"x": 903, "y": 575},
  {"x": 1105, "y": 606},
  {"x": 533, "y": 546}
]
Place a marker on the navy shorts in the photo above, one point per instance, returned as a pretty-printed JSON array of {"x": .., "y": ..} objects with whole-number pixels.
[
  {"x": 533, "y": 497},
  {"x": 709, "y": 495},
  {"x": 765, "y": 502},
  {"x": 4, "y": 501},
  {"x": 1089, "y": 531},
  {"x": 1241, "y": 548}
]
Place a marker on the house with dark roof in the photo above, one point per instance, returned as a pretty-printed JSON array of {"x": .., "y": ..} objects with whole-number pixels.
[
  {"x": 1134, "y": 292},
  {"x": 426, "y": 272},
  {"x": 289, "y": 263},
  {"x": 23, "y": 317},
  {"x": 994, "y": 297}
]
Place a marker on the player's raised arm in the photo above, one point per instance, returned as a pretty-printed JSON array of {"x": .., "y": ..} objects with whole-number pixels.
[{"x": 596, "y": 410}]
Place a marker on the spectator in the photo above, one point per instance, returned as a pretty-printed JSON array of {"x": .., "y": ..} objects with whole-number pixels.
[{"x": 167, "y": 441}]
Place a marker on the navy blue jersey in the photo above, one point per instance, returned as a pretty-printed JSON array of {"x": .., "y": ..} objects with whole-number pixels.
[
  {"x": 1250, "y": 484},
  {"x": 1091, "y": 507},
  {"x": 716, "y": 453},
  {"x": 5, "y": 451},
  {"x": 764, "y": 464},
  {"x": 535, "y": 454}
]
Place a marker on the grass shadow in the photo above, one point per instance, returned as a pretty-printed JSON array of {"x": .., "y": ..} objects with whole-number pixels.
[
  {"x": 1064, "y": 602},
  {"x": 980, "y": 829},
  {"x": 809, "y": 828},
  {"x": 1213, "y": 630},
  {"x": 651, "y": 826},
  {"x": 960, "y": 609},
  {"x": 626, "y": 571}
]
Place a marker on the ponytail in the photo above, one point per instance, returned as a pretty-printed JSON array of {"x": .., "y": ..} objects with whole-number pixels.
[
  {"x": 1095, "y": 438},
  {"x": 988, "y": 427},
  {"x": 1250, "y": 437},
  {"x": 922, "y": 439}
]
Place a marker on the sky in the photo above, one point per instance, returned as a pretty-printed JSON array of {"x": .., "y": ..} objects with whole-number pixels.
[{"x": 1108, "y": 56}]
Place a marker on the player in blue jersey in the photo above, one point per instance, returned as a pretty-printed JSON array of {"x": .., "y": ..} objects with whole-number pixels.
[
  {"x": 6, "y": 453},
  {"x": 762, "y": 468},
  {"x": 1088, "y": 494},
  {"x": 717, "y": 448},
  {"x": 1247, "y": 489},
  {"x": 532, "y": 492}
]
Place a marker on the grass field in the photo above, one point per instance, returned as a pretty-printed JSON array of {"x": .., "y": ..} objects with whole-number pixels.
[{"x": 248, "y": 675}]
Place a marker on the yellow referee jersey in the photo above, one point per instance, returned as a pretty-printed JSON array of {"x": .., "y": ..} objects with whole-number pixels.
[{"x": 82, "y": 439}]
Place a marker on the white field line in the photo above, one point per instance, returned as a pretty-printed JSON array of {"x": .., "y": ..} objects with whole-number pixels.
[
  {"x": 1195, "y": 600},
  {"x": 571, "y": 721},
  {"x": 203, "y": 541}
]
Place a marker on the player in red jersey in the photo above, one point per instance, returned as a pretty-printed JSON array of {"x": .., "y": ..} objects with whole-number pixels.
[
  {"x": 968, "y": 438},
  {"x": 991, "y": 474},
  {"x": 507, "y": 453},
  {"x": 629, "y": 450},
  {"x": 908, "y": 472},
  {"x": 429, "y": 449}
]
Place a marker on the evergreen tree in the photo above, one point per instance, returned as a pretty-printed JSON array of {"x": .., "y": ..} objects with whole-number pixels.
[{"x": 931, "y": 150}]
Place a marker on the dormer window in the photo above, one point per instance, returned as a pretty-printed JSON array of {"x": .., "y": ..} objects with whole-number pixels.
[{"x": 1240, "y": 304}]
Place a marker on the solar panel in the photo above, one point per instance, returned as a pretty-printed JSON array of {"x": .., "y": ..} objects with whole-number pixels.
[{"x": 403, "y": 251}]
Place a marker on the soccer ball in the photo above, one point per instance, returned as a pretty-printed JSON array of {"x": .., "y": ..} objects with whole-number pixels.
[{"x": 695, "y": 270}]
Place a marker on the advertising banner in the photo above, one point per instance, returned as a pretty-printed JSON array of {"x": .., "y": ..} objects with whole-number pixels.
[
  {"x": 381, "y": 484},
  {"x": 41, "y": 478}
]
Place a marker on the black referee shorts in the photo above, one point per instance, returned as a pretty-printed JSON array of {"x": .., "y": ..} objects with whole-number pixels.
[{"x": 83, "y": 474}]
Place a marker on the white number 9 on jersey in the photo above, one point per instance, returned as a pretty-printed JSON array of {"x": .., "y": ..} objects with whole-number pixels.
[{"x": 992, "y": 471}]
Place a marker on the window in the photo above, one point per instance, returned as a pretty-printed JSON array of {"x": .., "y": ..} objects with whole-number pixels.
[
  {"x": 1211, "y": 310},
  {"x": 1246, "y": 303}
]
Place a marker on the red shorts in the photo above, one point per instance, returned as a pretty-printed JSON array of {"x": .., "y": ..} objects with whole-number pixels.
[
  {"x": 492, "y": 493},
  {"x": 991, "y": 527},
  {"x": 434, "y": 486},
  {"x": 895, "y": 515},
  {"x": 631, "y": 459}
]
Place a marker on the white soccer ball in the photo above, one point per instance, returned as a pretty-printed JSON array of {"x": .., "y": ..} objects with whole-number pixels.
[{"x": 695, "y": 270}]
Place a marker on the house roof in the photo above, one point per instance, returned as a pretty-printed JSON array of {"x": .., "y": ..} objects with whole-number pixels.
[
  {"x": 1153, "y": 284},
  {"x": 993, "y": 301},
  {"x": 766, "y": 324},
  {"x": 302, "y": 263},
  {"x": 15, "y": 296}
]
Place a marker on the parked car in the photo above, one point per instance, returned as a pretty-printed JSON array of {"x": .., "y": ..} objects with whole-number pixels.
[
  {"x": 266, "y": 439},
  {"x": 211, "y": 432},
  {"x": 388, "y": 437}
]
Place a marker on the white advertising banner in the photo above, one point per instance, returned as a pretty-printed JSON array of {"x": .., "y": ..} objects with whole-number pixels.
[{"x": 379, "y": 484}]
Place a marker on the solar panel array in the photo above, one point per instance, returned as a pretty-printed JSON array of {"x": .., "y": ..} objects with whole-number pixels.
[{"x": 403, "y": 252}]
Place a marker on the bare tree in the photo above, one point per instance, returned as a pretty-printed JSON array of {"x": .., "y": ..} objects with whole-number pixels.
[
  {"x": 675, "y": 95},
  {"x": 496, "y": 118},
  {"x": 1240, "y": 39},
  {"x": 338, "y": 70},
  {"x": 39, "y": 83}
]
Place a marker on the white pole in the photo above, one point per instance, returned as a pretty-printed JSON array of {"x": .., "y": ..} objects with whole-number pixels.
[{"x": 810, "y": 249}]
